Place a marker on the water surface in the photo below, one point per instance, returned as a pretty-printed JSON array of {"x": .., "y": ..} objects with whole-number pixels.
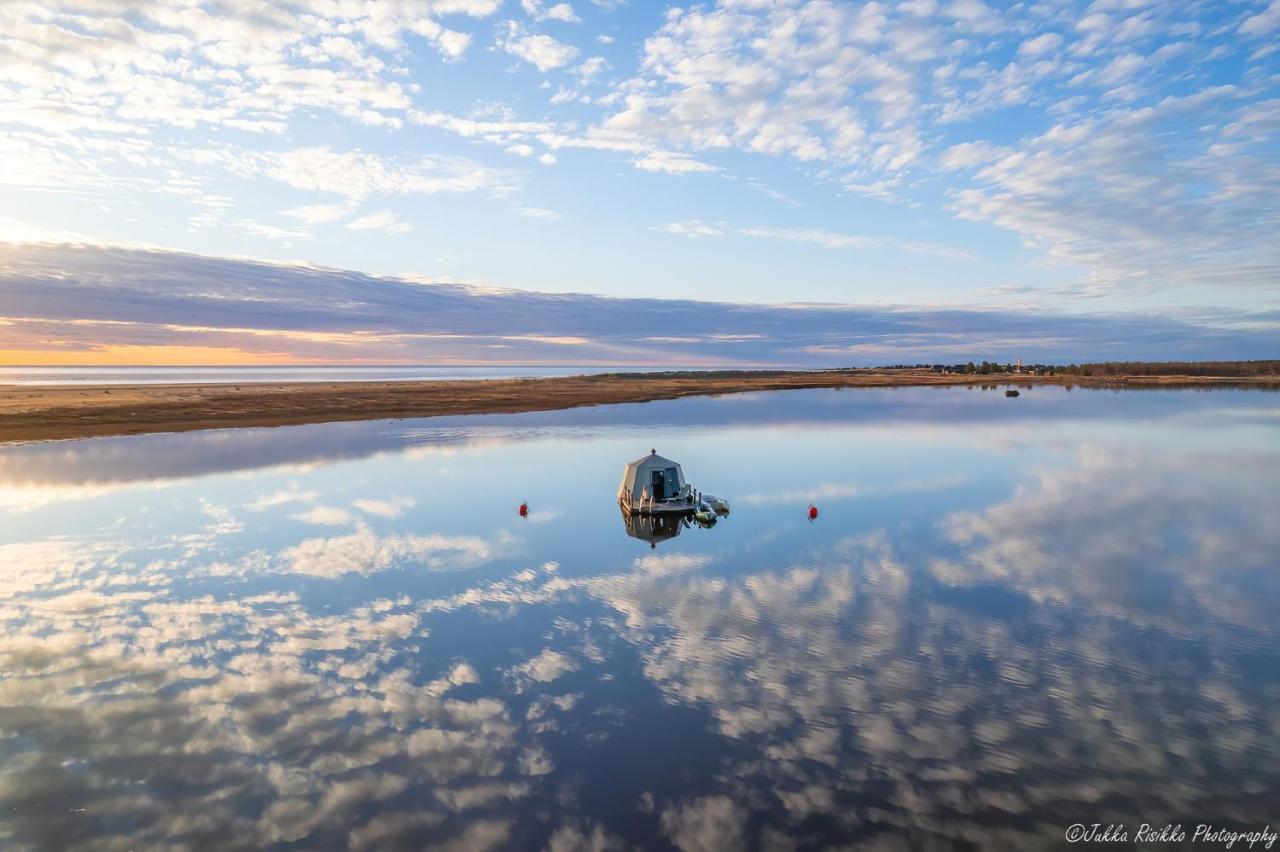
[{"x": 1010, "y": 616}]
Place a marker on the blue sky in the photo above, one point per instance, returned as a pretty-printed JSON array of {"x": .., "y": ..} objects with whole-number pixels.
[{"x": 1064, "y": 157}]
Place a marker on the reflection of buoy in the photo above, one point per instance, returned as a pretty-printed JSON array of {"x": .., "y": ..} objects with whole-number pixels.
[
  {"x": 813, "y": 512},
  {"x": 524, "y": 510}
]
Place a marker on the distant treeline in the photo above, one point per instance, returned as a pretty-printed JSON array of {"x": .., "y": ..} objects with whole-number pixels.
[
  {"x": 1110, "y": 368},
  {"x": 1174, "y": 368}
]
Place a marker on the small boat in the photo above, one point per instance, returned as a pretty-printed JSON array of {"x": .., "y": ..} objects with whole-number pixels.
[
  {"x": 1011, "y": 393},
  {"x": 719, "y": 505}
]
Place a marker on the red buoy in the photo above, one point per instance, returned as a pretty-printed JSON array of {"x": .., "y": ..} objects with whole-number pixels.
[
  {"x": 524, "y": 510},
  {"x": 813, "y": 512}
]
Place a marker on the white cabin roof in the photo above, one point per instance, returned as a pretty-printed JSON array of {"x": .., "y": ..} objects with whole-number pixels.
[{"x": 634, "y": 478}]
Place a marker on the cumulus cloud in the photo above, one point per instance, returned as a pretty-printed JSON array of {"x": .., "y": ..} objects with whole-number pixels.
[
  {"x": 540, "y": 50},
  {"x": 539, "y": 10}
]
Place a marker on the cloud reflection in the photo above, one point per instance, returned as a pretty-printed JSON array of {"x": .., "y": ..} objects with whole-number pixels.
[{"x": 1088, "y": 637}]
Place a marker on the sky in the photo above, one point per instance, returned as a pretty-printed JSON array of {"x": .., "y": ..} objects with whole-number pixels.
[{"x": 956, "y": 178}]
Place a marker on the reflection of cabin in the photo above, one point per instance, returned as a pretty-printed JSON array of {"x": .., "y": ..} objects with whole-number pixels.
[
  {"x": 653, "y": 528},
  {"x": 654, "y": 484}
]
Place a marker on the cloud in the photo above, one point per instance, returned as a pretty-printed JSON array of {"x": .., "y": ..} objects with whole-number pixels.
[
  {"x": 1136, "y": 203},
  {"x": 384, "y": 221},
  {"x": 538, "y": 10},
  {"x": 542, "y": 51},
  {"x": 591, "y": 68},
  {"x": 1040, "y": 45},
  {"x": 539, "y": 213},
  {"x": 832, "y": 240},
  {"x": 331, "y": 516},
  {"x": 672, "y": 164},
  {"x": 127, "y": 104},
  {"x": 364, "y": 552},
  {"x": 82, "y": 300},
  {"x": 709, "y": 824},
  {"x": 826, "y": 239},
  {"x": 280, "y": 498},
  {"x": 285, "y": 236},
  {"x": 86, "y": 65},
  {"x": 392, "y": 507},
  {"x": 1263, "y": 22},
  {"x": 547, "y": 666},
  {"x": 694, "y": 228},
  {"x": 358, "y": 174}
]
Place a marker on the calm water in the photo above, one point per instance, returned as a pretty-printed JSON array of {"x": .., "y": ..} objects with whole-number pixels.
[
  {"x": 1010, "y": 616},
  {"x": 250, "y": 375}
]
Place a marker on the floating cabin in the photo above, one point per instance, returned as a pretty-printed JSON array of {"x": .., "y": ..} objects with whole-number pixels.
[{"x": 654, "y": 485}]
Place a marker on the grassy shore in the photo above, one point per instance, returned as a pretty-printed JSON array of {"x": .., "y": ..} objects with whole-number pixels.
[{"x": 35, "y": 413}]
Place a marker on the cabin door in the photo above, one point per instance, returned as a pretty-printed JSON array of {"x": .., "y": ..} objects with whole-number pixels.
[{"x": 658, "y": 488}]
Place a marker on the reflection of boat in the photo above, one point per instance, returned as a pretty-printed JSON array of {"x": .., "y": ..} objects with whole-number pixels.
[
  {"x": 653, "y": 528},
  {"x": 653, "y": 485}
]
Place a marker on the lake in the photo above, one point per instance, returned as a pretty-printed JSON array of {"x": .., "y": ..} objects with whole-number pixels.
[{"x": 1010, "y": 615}]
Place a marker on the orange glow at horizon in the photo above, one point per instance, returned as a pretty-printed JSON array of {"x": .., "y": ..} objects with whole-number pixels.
[
  {"x": 216, "y": 356},
  {"x": 149, "y": 356}
]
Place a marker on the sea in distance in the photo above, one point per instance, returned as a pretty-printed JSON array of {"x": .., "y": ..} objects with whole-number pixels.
[
  {"x": 1008, "y": 617},
  {"x": 320, "y": 373}
]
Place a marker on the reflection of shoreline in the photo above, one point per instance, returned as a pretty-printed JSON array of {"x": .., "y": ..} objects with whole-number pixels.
[
  {"x": 34, "y": 413},
  {"x": 114, "y": 461}
]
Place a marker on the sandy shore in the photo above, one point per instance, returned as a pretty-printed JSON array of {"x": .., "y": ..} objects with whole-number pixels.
[{"x": 36, "y": 413}]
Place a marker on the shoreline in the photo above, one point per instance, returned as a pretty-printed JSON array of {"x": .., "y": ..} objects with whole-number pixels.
[{"x": 58, "y": 412}]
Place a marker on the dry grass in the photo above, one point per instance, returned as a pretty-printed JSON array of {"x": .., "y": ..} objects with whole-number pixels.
[{"x": 32, "y": 413}]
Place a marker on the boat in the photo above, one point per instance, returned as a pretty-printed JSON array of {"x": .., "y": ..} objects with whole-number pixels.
[
  {"x": 719, "y": 505},
  {"x": 655, "y": 485},
  {"x": 1011, "y": 393}
]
